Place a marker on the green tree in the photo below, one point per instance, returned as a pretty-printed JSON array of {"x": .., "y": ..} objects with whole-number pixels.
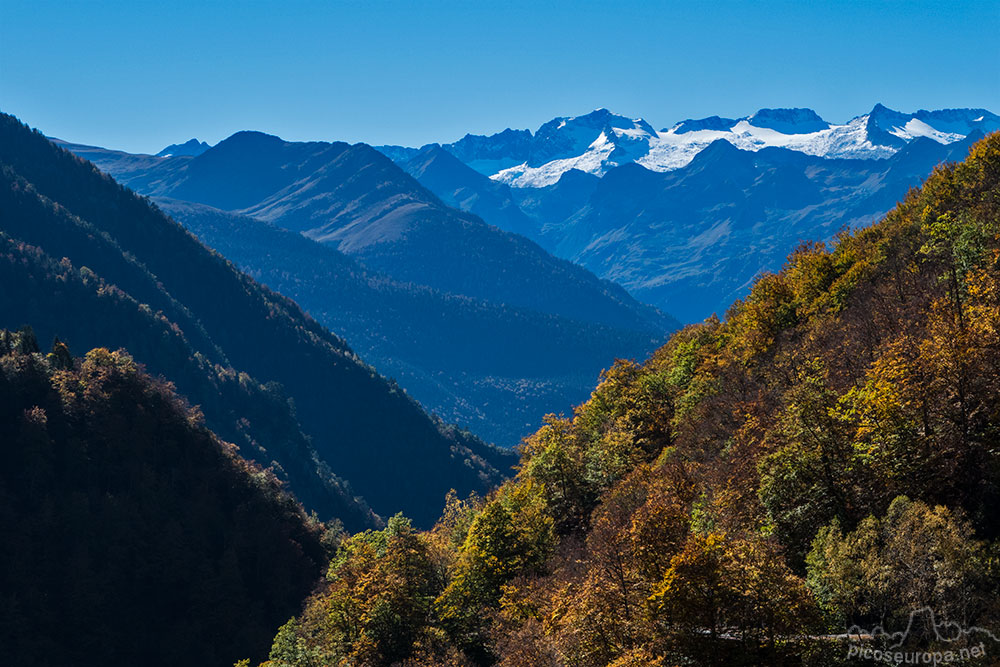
[{"x": 914, "y": 556}]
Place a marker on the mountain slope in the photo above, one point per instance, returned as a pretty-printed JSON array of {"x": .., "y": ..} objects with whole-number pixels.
[
  {"x": 394, "y": 226},
  {"x": 462, "y": 187},
  {"x": 453, "y": 308},
  {"x": 86, "y": 309},
  {"x": 641, "y": 208},
  {"x": 360, "y": 426},
  {"x": 132, "y": 534},
  {"x": 494, "y": 369}
]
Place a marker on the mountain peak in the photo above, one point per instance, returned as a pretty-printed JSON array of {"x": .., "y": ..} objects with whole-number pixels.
[
  {"x": 249, "y": 140},
  {"x": 695, "y": 124},
  {"x": 883, "y": 114},
  {"x": 884, "y": 126},
  {"x": 432, "y": 149},
  {"x": 789, "y": 121},
  {"x": 881, "y": 109},
  {"x": 191, "y": 147},
  {"x": 599, "y": 114},
  {"x": 599, "y": 119},
  {"x": 718, "y": 150}
]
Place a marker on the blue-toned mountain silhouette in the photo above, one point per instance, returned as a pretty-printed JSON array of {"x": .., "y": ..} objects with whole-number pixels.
[{"x": 481, "y": 325}]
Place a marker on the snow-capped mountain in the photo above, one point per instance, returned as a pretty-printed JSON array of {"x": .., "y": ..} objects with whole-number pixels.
[
  {"x": 601, "y": 140},
  {"x": 686, "y": 217}
]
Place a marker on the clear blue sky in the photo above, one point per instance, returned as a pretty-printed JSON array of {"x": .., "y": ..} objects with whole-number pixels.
[{"x": 138, "y": 75}]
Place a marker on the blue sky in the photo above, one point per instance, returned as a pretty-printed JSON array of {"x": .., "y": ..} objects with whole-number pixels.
[{"x": 139, "y": 75}]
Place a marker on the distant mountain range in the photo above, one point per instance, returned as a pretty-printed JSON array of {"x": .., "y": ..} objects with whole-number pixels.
[
  {"x": 601, "y": 140},
  {"x": 481, "y": 325},
  {"x": 687, "y": 217}
]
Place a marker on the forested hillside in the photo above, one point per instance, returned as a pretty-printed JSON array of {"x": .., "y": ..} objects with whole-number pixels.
[
  {"x": 829, "y": 454},
  {"x": 91, "y": 262},
  {"x": 132, "y": 535}
]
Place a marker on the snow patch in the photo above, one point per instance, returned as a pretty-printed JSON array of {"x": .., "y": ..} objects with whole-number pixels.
[{"x": 594, "y": 161}]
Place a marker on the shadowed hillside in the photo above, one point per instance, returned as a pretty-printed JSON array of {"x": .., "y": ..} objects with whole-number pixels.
[
  {"x": 92, "y": 262},
  {"x": 132, "y": 534}
]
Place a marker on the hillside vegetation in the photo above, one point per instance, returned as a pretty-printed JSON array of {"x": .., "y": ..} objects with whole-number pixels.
[
  {"x": 132, "y": 535},
  {"x": 827, "y": 455}
]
